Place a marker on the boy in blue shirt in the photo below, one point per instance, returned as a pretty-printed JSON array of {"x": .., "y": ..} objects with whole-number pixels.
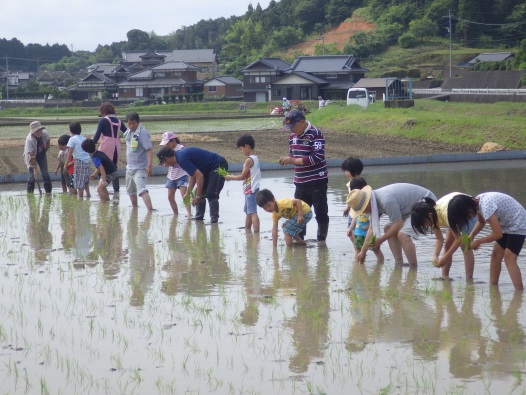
[
  {"x": 201, "y": 166},
  {"x": 103, "y": 166}
]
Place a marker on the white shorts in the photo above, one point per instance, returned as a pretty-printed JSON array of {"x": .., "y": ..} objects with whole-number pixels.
[
  {"x": 136, "y": 182},
  {"x": 408, "y": 230}
]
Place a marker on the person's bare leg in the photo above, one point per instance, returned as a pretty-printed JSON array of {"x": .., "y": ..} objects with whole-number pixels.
[
  {"x": 510, "y": 259},
  {"x": 255, "y": 222},
  {"x": 408, "y": 247},
  {"x": 469, "y": 264},
  {"x": 248, "y": 222},
  {"x": 103, "y": 193},
  {"x": 395, "y": 246},
  {"x": 171, "y": 199},
  {"x": 495, "y": 264},
  {"x": 147, "y": 201},
  {"x": 133, "y": 199}
]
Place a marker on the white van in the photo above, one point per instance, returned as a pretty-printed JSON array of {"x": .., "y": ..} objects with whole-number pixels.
[{"x": 359, "y": 96}]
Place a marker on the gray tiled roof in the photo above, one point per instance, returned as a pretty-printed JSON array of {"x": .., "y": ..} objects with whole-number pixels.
[
  {"x": 505, "y": 79},
  {"x": 227, "y": 80},
  {"x": 491, "y": 57},
  {"x": 185, "y": 55},
  {"x": 272, "y": 63},
  {"x": 308, "y": 77},
  {"x": 326, "y": 64},
  {"x": 159, "y": 82}
]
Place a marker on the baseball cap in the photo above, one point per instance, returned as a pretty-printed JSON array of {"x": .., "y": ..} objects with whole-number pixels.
[
  {"x": 164, "y": 153},
  {"x": 291, "y": 118},
  {"x": 167, "y": 136}
]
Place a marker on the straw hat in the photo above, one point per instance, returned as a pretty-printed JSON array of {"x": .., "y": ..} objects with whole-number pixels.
[
  {"x": 358, "y": 199},
  {"x": 35, "y": 126}
]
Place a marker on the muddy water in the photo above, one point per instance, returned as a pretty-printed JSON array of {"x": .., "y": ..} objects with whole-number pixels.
[{"x": 107, "y": 299}]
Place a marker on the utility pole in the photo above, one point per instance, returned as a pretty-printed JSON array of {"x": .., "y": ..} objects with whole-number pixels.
[
  {"x": 322, "y": 38},
  {"x": 450, "y": 43},
  {"x": 6, "y": 78}
]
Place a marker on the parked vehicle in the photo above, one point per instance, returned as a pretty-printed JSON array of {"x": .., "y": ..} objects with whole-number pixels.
[{"x": 359, "y": 96}]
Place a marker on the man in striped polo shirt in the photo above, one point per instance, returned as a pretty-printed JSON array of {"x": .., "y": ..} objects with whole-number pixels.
[{"x": 307, "y": 154}]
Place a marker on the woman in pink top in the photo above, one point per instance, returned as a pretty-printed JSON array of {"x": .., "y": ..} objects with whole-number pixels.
[{"x": 108, "y": 131}]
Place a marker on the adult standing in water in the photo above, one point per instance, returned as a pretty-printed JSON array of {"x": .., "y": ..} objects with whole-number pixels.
[
  {"x": 396, "y": 201},
  {"x": 108, "y": 131},
  {"x": 35, "y": 149},
  {"x": 307, "y": 154}
]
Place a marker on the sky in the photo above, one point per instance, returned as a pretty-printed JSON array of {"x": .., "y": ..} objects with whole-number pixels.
[{"x": 83, "y": 24}]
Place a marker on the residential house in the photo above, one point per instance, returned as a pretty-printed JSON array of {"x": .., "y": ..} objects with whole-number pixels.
[
  {"x": 53, "y": 78},
  {"x": 204, "y": 59},
  {"x": 224, "y": 86},
  {"x": 329, "y": 76},
  {"x": 167, "y": 79},
  {"x": 502, "y": 79},
  {"x": 102, "y": 79},
  {"x": 259, "y": 76},
  {"x": 491, "y": 57}
]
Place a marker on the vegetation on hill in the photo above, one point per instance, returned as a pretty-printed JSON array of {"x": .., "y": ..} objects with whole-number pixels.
[{"x": 238, "y": 41}]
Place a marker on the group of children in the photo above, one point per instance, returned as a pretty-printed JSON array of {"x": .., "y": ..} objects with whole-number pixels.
[{"x": 411, "y": 209}]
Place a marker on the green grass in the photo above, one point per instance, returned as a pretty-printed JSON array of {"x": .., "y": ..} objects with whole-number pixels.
[{"x": 470, "y": 124}]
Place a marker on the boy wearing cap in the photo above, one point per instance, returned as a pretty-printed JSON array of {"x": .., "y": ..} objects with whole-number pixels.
[
  {"x": 37, "y": 144},
  {"x": 201, "y": 165},
  {"x": 396, "y": 201},
  {"x": 139, "y": 156},
  {"x": 307, "y": 154},
  {"x": 177, "y": 177}
]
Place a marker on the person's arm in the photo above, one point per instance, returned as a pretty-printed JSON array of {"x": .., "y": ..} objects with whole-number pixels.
[
  {"x": 247, "y": 165},
  {"x": 439, "y": 243},
  {"x": 496, "y": 233},
  {"x": 393, "y": 231},
  {"x": 275, "y": 233},
  {"x": 102, "y": 176},
  {"x": 69, "y": 157},
  {"x": 60, "y": 166},
  {"x": 198, "y": 179},
  {"x": 94, "y": 174},
  {"x": 149, "y": 154},
  {"x": 99, "y": 130},
  {"x": 366, "y": 244},
  {"x": 350, "y": 229},
  {"x": 299, "y": 208}
]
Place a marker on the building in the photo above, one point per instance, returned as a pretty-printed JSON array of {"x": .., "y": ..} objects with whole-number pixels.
[
  {"x": 258, "y": 77},
  {"x": 167, "y": 79},
  {"x": 205, "y": 60},
  {"x": 329, "y": 76},
  {"x": 491, "y": 57},
  {"x": 101, "y": 81},
  {"x": 223, "y": 86}
]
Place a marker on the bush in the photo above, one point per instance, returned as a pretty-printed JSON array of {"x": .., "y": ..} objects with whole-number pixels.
[
  {"x": 407, "y": 40},
  {"x": 159, "y": 100}
]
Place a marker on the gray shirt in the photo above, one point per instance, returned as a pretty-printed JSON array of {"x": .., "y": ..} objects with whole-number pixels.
[
  {"x": 137, "y": 158},
  {"x": 397, "y": 200}
]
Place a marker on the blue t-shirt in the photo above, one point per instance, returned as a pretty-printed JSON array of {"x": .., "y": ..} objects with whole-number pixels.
[
  {"x": 192, "y": 159},
  {"x": 100, "y": 158}
]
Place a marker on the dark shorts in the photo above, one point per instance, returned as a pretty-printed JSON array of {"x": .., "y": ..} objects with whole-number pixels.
[{"x": 512, "y": 242}]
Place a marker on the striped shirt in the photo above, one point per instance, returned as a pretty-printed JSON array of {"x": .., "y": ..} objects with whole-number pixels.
[
  {"x": 175, "y": 172},
  {"x": 310, "y": 146}
]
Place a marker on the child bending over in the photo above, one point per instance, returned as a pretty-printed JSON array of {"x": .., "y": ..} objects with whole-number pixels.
[
  {"x": 297, "y": 213},
  {"x": 103, "y": 166}
]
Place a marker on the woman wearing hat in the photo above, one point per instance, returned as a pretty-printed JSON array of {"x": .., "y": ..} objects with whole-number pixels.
[
  {"x": 37, "y": 144},
  {"x": 395, "y": 201}
]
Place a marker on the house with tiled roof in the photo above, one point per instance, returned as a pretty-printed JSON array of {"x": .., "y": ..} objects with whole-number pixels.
[
  {"x": 223, "y": 86},
  {"x": 204, "y": 59},
  {"x": 100, "y": 79},
  {"x": 491, "y": 57},
  {"x": 167, "y": 79},
  {"x": 329, "y": 76},
  {"x": 259, "y": 76},
  {"x": 501, "y": 79}
]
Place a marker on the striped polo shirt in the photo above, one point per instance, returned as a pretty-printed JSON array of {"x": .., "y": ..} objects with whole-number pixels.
[{"x": 311, "y": 147}]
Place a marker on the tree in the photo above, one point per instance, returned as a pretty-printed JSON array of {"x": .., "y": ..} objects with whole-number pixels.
[
  {"x": 138, "y": 39},
  {"x": 423, "y": 27}
]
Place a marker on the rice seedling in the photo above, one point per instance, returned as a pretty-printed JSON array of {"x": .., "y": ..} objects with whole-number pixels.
[
  {"x": 221, "y": 171},
  {"x": 465, "y": 241}
]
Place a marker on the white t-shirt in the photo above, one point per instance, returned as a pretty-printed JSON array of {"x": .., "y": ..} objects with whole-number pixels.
[
  {"x": 397, "y": 200},
  {"x": 509, "y": 212},
  {"x": 75, "y": 142}
]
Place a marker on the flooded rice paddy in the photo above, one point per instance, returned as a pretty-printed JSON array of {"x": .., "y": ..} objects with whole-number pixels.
[{"x": 106, "y": 299}]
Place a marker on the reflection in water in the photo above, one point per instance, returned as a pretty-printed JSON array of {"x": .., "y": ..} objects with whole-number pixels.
[
  {"x": 227, "y": 313},
  {"x": 309, "y": 326},
  {"x": 141, "y": 257},
  {"x": 38, "y": 233}
]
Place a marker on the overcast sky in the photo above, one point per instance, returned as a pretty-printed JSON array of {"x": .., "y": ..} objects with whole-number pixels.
[{"x": 83, "y": 24}]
